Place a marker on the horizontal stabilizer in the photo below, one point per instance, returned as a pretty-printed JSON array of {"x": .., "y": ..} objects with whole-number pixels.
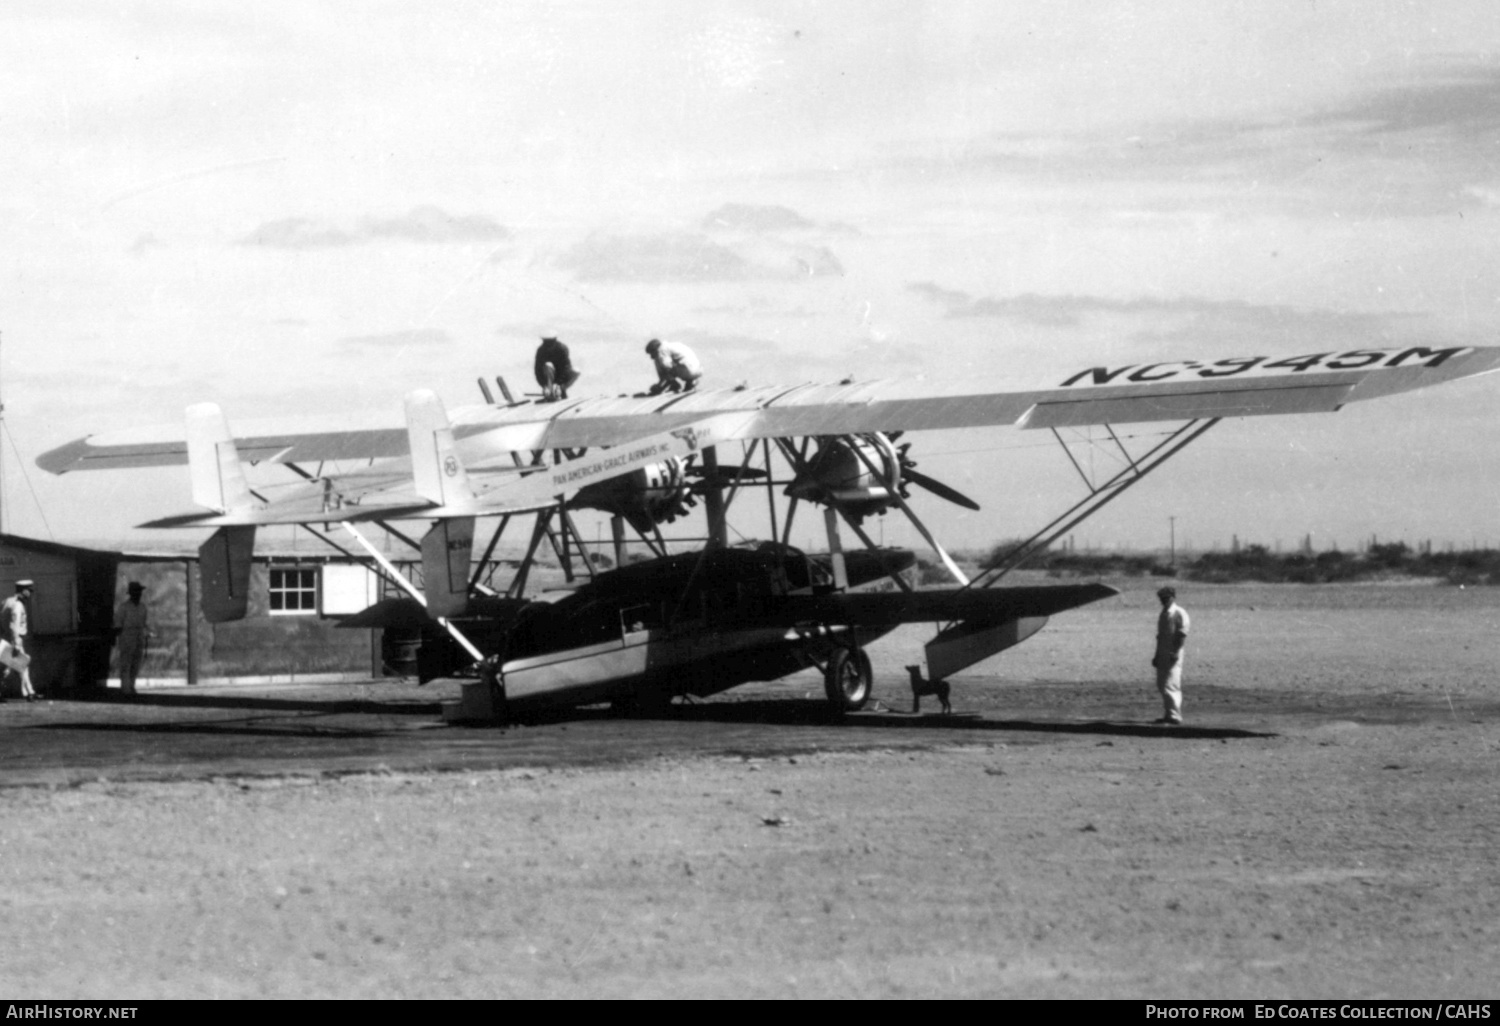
[
  {"x": 516, "y": 490},
  {"x": 399, "y": 613},
  {"x": 446, "y": 552},
  {"x": 407, "y": 613},
  {"x": 224, "y": 564}
]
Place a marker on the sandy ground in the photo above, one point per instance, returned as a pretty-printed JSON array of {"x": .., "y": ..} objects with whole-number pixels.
[{"x": 1325, "y": 826}]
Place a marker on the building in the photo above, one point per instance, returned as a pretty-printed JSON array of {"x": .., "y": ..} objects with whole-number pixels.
[{"x": 290, "y": 633}]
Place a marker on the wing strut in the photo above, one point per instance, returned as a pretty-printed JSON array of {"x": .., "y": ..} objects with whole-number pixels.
[
  {"x": 411, "y": 589},
  {"x": 894, "y": 487},
  {"x": 538, "y": 532},
  {"x": 559, "y": 547},
  {"x": 384, "y": 570},
  {"x": 791, "y": 514},
  {"x": 489, "y": 550},
  {"x": 617, "y": 536},
  {"x": 770, "y": 492},
  {"x": 570, "y": 529},
  {"x": 739, "y": 476},
  {"x": 1099, "y": 495},
  {"x": 798, "y": 464},
  {"x": 901, "y": 582}
]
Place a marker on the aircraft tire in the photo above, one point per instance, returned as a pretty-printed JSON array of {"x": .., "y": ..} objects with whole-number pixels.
[{"x": 848, "y": 680}]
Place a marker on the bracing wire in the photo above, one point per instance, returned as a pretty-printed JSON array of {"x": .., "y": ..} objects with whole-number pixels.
[{"x": 10, "y": 437}]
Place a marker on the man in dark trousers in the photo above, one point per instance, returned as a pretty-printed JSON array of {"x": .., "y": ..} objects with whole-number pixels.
[
  {"x": 132, "y": 632},
  {"x": 554, "y": 369}
]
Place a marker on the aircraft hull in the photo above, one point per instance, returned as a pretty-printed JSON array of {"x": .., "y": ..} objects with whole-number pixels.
[{"x": 666, "y": 663}]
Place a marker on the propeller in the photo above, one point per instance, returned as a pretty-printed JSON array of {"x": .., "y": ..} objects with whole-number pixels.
[
  {"x": 909, "y": 473},
  {"x": 939, "y": 489}
]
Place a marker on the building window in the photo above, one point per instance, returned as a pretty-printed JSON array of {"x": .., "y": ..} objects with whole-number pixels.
[{"x": 294, "y": 591}]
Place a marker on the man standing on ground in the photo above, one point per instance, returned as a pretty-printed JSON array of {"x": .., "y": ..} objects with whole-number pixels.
[
  {"x": 132, "y": 632},
  {"x": 677, "y": 367},
  {"x": 14, "y": 628},
  {"x": 1171, "y": 641}
]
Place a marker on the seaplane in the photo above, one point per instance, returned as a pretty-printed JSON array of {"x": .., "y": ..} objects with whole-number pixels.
[{"x": 697, "y": 622}]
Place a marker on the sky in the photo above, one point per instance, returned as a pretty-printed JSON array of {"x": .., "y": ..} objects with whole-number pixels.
[{"x": 289, "y": 208}]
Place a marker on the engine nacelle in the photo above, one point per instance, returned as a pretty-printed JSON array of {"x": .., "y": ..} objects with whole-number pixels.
[
  {"x": 839, "y": 474},
  {"x": 652, "y": 495}
]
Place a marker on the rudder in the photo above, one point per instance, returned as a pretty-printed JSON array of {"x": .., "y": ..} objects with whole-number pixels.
[{"x": 214, "y": 462}]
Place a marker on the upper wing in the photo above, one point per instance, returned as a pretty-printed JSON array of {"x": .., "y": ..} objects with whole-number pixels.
[{"x": 1177, "y": 390}]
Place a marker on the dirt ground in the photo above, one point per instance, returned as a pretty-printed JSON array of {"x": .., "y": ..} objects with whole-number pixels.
[{"x": 1324, "y": 826}]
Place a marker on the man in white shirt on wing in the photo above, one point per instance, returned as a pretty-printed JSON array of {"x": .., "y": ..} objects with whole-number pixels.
[{"x": 677, "y": 367}]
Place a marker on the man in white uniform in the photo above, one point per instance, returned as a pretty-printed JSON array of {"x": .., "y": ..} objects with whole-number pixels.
[
  {"x": 1171, "y": 641},
  {"x": 14, "y": 628},
  {"x": 677, "y": 367},
  {"x": 133, "y": 630}
]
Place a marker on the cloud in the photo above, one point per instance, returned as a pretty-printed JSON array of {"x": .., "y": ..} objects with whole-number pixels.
[
  {"x": 1052, "y": 311},
  {"x": 416, "y": 338},
  {"x": 764, "y": 219},
  {"x": 654, "y": 258},
  {"x": 694, "y": 257},
  {"x": 944, "y": 297},
  {"x": 1489, "y": 195},
  {"x": 1413, "y": 148},
  {"x": 297, "y": 233},
  {"x": 1195, "y": 321},
  {"x": 430, "y": 224},
  {"x": 145, "y": 242},
  {"x": 750, "y": 217},
  {"x": 427, "y": 224},
  {"x": 1451, "y": 97},
  {"x": 756, "y": 306}
]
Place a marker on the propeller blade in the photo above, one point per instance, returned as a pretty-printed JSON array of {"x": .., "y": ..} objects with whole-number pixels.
[{"x": 939, "y": 489}]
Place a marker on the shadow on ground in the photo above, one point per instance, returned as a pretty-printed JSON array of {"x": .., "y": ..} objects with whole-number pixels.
[
  {"x": 428, "y": 708},
  {"x": 311, "y": 716}
]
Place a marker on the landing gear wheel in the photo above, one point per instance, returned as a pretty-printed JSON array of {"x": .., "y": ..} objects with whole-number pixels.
[{"x": 848, "y": 680}]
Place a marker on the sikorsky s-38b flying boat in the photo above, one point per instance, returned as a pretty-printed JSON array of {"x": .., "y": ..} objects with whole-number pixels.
[{"x": 701, "y": 621}]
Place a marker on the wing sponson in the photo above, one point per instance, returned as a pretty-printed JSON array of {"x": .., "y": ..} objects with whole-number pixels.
[{"x": 990, "y": 605}]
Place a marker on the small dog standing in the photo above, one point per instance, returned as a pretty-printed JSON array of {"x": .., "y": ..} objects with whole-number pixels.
[{"x": 920, "y": 687}]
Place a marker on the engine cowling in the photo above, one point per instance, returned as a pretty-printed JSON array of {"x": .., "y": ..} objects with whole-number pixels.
[
  {"x": 657, "y": 494},
  {"x": 839, "y": 474}
]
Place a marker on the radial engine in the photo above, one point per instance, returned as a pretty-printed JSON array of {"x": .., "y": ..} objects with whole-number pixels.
[
  {"x": 652, "y": 495},
  {"x": 856, "y": 474}
]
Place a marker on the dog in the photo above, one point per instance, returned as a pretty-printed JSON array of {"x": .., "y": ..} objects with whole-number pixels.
[{"x": 920, "y": 687}]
